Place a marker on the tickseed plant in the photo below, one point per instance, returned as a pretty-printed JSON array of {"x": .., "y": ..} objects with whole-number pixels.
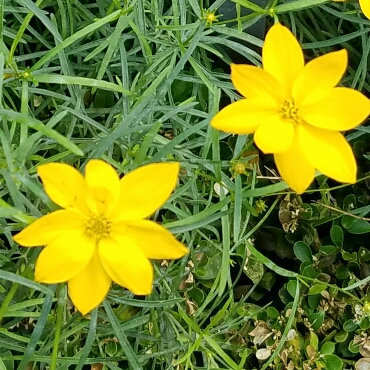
[
  {"x": 296, "y": 111},
  {"x": 100, "y": 235},
  {"x": 273, "y": 280}
]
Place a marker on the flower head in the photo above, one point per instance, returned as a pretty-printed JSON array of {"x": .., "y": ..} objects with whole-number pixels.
[
  {"x": 295, "y": 111},
  {"x": 100, "y": 235}
]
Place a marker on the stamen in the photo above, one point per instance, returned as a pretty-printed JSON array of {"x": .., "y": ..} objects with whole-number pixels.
[
  {"x": 97, "y": 227},
  {"x": 290, "y": 111}
]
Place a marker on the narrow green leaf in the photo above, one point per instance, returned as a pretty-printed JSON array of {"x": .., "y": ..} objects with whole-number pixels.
[
  {"x": 82, "y": 81},
  {"x": 237, "y": 208},
  {"x": 89, "y": 340},
  {"x": 147, "y": 142},
  {"x": 41, "y": 15},
  {"x": 220, "y": 352},
  {"x": 205, "y": 217},
  {"x": 8, "y": 211},
  {"x": 359, "y": 283},
  {"x": 149, "y": 100},
  {"x": 269, "y": 264},
  {"x": 266, "y": 190},
  {"x": 114, "y": 39},
  {"x": 76, "y": 36},
  {"x": 37, "y": 331},
  {"x": 125, "y": 344},
  {"x": 297, "y": 5},
  {"x": 14, "y": 278},
  {"x": 39, "y": 126},
  {"x": 288, "y": 326}
]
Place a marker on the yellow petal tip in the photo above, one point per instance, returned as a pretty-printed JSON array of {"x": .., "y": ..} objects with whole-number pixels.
[
  {"x": 143, "y": 291},
  {"x": 85, "y": 310},
  {"x": 181, "y": 251}
]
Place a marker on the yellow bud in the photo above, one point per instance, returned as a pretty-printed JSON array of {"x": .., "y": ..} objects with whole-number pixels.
[
  {"x": 366, "y": 307},
  {"x": 210, "y": 17},
  {"x": 239, "y": 168},
  {"x": 260, "y": 206}
]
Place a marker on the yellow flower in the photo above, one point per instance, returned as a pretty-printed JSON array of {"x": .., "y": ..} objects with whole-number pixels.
[
  {"x": 100, "y": 235},
  {"x": 364, "y": 5},
  {"x": 295, "y": 111}
]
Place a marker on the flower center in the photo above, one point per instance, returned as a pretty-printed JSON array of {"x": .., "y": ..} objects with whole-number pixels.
[
  {"x": 289, "y": 110},
  {"x": 97, "y": 227}
]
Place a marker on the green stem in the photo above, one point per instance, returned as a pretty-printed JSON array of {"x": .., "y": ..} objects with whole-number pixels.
[
  {"x": 60, "y": 307},
  {"x": 24, "y": 110},
  {"x": 333, "y": 286},
  {"x": 2, "y": 17},
  {"x": 7, "y": 300}
]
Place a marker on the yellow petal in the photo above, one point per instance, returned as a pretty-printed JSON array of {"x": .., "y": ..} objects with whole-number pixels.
[
  {"x": 126, "y": 264},
  {"x": 64, "y": 258},
  {"x": 64, "y": 185},
  {"x": 89, "y": 287},
  {"x": 294, "y": 168},
  {"x": 282, "y": 57},
  {"x": 145, "y": 190},
  {"x": 243, "y": 116},
  {"x": 339, "y": 109},
  {"x": 154, "y": 240},
  {"x": 329, "y": 152},
  {"x": 102, "y": 186},
  {"x": 253, "y": 82},
  {"x": 48, "y": 228},
  {"x": 365, "y": 7},
  {"x": 322, "y": 73},
  {"x": 274, "y": 135}
]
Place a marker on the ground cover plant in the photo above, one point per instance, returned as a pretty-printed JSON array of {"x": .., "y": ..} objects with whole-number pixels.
[{"x": 126, "y": 137}]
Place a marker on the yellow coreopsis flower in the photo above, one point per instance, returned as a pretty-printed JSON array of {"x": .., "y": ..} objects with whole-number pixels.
[
  {"x": 101, "y": 234},
  {"x": 295, "y": 111}
]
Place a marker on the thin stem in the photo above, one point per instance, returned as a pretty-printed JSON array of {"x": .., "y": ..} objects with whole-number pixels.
[
  {"x": 24, "y": 110},
  {"x": 343, "y": 212},
  {"x": 7, "y": 300},
  {"x": 336, "y": 287},
  {"x": 60, "y": 307}
]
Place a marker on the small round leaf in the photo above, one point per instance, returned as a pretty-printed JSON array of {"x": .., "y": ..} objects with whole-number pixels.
[{"x": 302, "y": 251}]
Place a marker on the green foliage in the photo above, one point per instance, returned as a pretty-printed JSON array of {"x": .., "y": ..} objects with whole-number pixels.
[{"x": 273, "y": 279}]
